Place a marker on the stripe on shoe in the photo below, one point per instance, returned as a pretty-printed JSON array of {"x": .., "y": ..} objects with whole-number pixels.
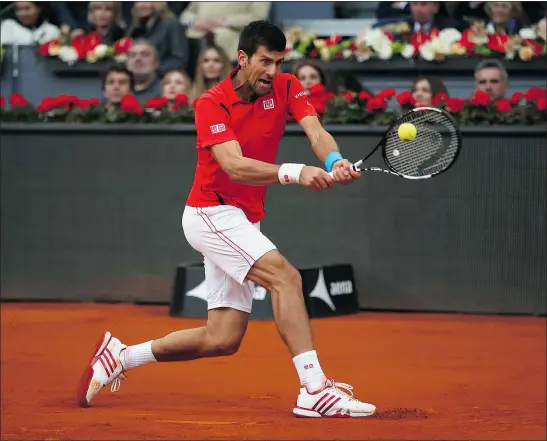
[
  {"x": 324, "y": 411},
  {"x": 325, "y": 395}
]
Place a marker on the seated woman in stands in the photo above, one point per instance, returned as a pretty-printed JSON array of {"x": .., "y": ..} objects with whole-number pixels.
[
  {"x": 426, "y": 88},
  {"x": 505, "y": 17},
  {"x": 106, "y": 19},
  {"x": 212, "y": 67},
  {"x": 315, "y": 83},
  {"x": 175, "y": 82},
  {"x": 29, "y": 27}
]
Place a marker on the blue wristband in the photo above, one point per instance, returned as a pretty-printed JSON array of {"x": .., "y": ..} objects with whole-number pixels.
[{"x": 331, "y": 158}]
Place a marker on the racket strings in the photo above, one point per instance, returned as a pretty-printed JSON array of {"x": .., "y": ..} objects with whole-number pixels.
[{"x": 431, "y": 151}]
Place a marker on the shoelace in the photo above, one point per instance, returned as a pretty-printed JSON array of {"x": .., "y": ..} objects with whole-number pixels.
[
  {"x": 117, "y": 382},
  {"x": 338, "y": 389}
]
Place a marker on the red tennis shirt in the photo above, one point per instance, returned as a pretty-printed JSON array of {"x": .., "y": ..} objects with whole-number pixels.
[{"x": 221, "y": 116}]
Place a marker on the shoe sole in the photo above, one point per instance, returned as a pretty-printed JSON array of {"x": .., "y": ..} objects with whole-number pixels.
[
  {"x": 300, "y": 412},
  {"x": 85, "y": 380}
]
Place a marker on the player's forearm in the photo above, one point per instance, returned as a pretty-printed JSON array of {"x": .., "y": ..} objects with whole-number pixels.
[
  {"x": 252, "y": 172},
  {"x": 322, "y": 144}
]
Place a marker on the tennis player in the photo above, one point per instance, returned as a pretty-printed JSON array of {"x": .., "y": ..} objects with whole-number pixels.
[{"x": 239, "y": 125}]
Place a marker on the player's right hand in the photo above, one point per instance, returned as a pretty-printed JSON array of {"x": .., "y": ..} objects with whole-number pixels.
[{"x": 315, "y": 178}]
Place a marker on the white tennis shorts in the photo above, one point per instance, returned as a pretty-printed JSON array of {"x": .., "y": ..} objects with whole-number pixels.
[{"x": 230, "y": 245}]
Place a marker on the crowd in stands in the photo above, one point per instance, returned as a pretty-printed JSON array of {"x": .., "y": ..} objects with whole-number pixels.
[{"x": 184, "y": 48}]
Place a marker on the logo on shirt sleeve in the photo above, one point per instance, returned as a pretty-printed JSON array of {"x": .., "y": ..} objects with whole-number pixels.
[
  {"x": 299, "y": 94},
  {"x": 218, "y": 128}
]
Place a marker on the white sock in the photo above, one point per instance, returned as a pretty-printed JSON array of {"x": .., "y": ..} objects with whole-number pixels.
[
  {"x": 309, "y": 370},
  {"x": 137, "y": 355}
]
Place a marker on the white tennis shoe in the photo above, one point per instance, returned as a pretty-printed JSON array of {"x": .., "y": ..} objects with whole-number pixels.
[
  {"x": 104, "y": 368},
  {"x": 332, "y": 402}
]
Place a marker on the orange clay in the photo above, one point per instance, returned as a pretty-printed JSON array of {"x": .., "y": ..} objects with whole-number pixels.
[{"x": 430, "y": 376}]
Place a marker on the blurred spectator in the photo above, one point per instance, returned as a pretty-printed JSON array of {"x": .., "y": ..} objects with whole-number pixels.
[
  {"x": 531, "y": 13},
  {"x": 309, "y": 74},
  {"x": 75, "y": 14},
  {"x": 393, "y": 10},
  {"x": 29, "y": 26},
  {"x": 425, "y": 88},
  {"x": 212, "y": 67},
  {"x": 117, "y": 81},
  {"x": 106, "y": 19},
  {"x": 425, "y": 16},
  {"x": 154, "y": 22},
  {"x": 315, "y": 82},
  {"x": 143, "y": 63},
  {"x": 223, "y": 19},
  {"x": 346, "y": 82},
  {"x": 504, "y": 17},
  {"x": 175, "y": 82},
  {"x": 491, "y": 77}
]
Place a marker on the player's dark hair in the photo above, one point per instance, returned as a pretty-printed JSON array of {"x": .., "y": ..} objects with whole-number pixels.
[
  {"x": 119, "y": 68},
  {"x": 261, "y": 33}
]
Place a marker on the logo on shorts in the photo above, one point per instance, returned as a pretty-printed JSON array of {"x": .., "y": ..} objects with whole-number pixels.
[
  {"x": 269, "y": 104},
  {"x": 218, "y": 128}
]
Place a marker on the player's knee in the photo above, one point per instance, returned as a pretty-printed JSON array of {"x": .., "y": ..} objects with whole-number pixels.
[
  {"x": 225, "y": 346},
  {"x": 286, "y": 278}
]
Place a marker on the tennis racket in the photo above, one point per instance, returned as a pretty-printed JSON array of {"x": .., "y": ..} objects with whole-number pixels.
[{"x": 432, "y": 152}]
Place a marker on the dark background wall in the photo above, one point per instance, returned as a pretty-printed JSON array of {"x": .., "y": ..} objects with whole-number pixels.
[{"x": 95, "y": 213}]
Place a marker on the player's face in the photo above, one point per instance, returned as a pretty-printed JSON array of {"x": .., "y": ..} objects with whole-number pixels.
[{"x": 262, "y": 69}]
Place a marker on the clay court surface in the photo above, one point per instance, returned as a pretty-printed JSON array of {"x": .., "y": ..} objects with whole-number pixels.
[{"x": 431, "y": 377}]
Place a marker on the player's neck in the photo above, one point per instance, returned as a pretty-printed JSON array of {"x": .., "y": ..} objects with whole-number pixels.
[{"x": 242, "y": 88}]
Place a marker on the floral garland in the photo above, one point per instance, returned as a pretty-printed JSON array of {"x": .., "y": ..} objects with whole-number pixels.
[
  {"x": 384, "y": 43},
  {"x": 87, "y": 47},
  {"x": 523, "y": 108}
]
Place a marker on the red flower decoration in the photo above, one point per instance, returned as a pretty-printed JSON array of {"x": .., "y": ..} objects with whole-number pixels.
[
  {"x": 92, "y": 40},
  {"x": 440, "y": 97},
  {"x": 497, "y": 42},
  {"x": 517, "y": 96},
  {"x": 92, "y": 102},
  {"x": 387, "y": 93},
  {"x": 2, "y": 102},
  {"x": 503, "y": 105},
  {"x": 181, "y": 100},
  {"x": 156, "y": 103},
  {"x": 364, "y": 95},
  {"x": 465, "y": 41},
  {"x": 47, "y": 104},
  {"x": 130, "y": 104},
  {"x": 66, "y": 100},
  {"x": 44, "y": 49},
  {"x": 122, "y": 46},
  {"x": 405, "y": 98},
  {"x": 454, "y": 105},
  {"x": 314, "y": 53},
  {"x": 335, "y": 39},
  {"x": 376, "y": 103},
  {"x": 480, "y": 98},
  {"x": 536, "y": 93},
  {"x": 541, "y": 103},
  {"x": 348, "y": 96},
  {"x": 18, "y": 100}
]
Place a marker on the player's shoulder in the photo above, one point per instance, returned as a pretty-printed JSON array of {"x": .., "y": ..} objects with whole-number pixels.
[
  {"x": 285, "y": 78},
  {"x": 215, "y": 96}
]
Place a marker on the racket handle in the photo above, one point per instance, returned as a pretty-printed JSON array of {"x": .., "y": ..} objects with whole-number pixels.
[{"x": 355, "y": 168}]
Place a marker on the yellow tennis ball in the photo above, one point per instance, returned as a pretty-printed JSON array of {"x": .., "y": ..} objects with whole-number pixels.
[{"x": 407, "y": 131}]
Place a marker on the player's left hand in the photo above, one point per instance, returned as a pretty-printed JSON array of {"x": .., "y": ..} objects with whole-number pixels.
[{"x": 343, "y": 172}]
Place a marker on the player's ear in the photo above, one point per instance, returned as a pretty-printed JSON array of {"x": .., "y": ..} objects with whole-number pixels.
[{"x": 242, "y": 58}]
